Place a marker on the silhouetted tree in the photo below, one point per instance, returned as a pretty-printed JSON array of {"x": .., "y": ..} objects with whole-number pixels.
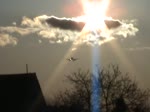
[
  {"x": 116, "y": 85},
  {"x": 118, "y": 92},
  {"x": 120, "y": 105}
]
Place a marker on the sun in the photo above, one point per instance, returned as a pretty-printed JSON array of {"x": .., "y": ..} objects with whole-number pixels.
[{"x": 95, "y": 14}]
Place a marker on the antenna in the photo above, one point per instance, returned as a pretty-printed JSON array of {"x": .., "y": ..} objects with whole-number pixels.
[{"x": 27, "y": 68}]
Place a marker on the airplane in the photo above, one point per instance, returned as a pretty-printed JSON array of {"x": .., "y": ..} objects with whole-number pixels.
[{"x": 72, "y": 59}]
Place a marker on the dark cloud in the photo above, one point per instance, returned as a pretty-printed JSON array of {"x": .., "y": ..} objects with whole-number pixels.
[
  {"x": 66, "y": 24},
  {"x": 69, "y": 24},
  {"x": 111, "y": 24}
]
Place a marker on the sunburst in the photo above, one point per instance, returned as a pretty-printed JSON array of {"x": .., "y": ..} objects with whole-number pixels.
[{"x": 95, "y": 14}]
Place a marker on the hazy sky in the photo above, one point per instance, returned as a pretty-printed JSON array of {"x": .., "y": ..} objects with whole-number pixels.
[{"x": 45, "y": 58}]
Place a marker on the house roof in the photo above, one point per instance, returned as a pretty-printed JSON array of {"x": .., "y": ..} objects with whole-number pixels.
[{"x": 21, "y": 93}]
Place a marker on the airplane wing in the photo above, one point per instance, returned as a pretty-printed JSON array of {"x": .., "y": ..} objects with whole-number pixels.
[{"x": 72, "y": 59}]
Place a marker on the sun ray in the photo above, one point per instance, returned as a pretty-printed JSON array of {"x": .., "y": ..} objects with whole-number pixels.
[
  {"x": 95, "y": 14},
  {"x": 57, "y": 73},
  {"x": 123, "y": 57}
]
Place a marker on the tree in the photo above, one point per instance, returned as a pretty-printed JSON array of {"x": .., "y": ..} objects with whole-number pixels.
[{"x": 118, "y": 92}]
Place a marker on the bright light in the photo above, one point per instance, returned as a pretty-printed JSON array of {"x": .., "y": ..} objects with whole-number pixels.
[{"x": 95, "y": 14}]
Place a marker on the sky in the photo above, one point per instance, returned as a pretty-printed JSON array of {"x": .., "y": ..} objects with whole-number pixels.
[{"x": 47, "y": 58}]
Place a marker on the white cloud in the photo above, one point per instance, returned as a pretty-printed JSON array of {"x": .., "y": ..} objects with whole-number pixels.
[
  {"x": 14, "y": 23},
  {"x": 59, "y": 41},
  {"x": 36, "y": 22},
  {"x": 127, "y": 29},
  {"x": 19, "y": 30},
  {"x": 40, "y": 41},
  {"x": 6, "y": 39},
  {"x": 39, "y": 26}
]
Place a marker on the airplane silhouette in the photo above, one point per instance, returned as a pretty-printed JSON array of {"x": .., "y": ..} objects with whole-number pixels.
[{"x": 72, "y": 59}]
